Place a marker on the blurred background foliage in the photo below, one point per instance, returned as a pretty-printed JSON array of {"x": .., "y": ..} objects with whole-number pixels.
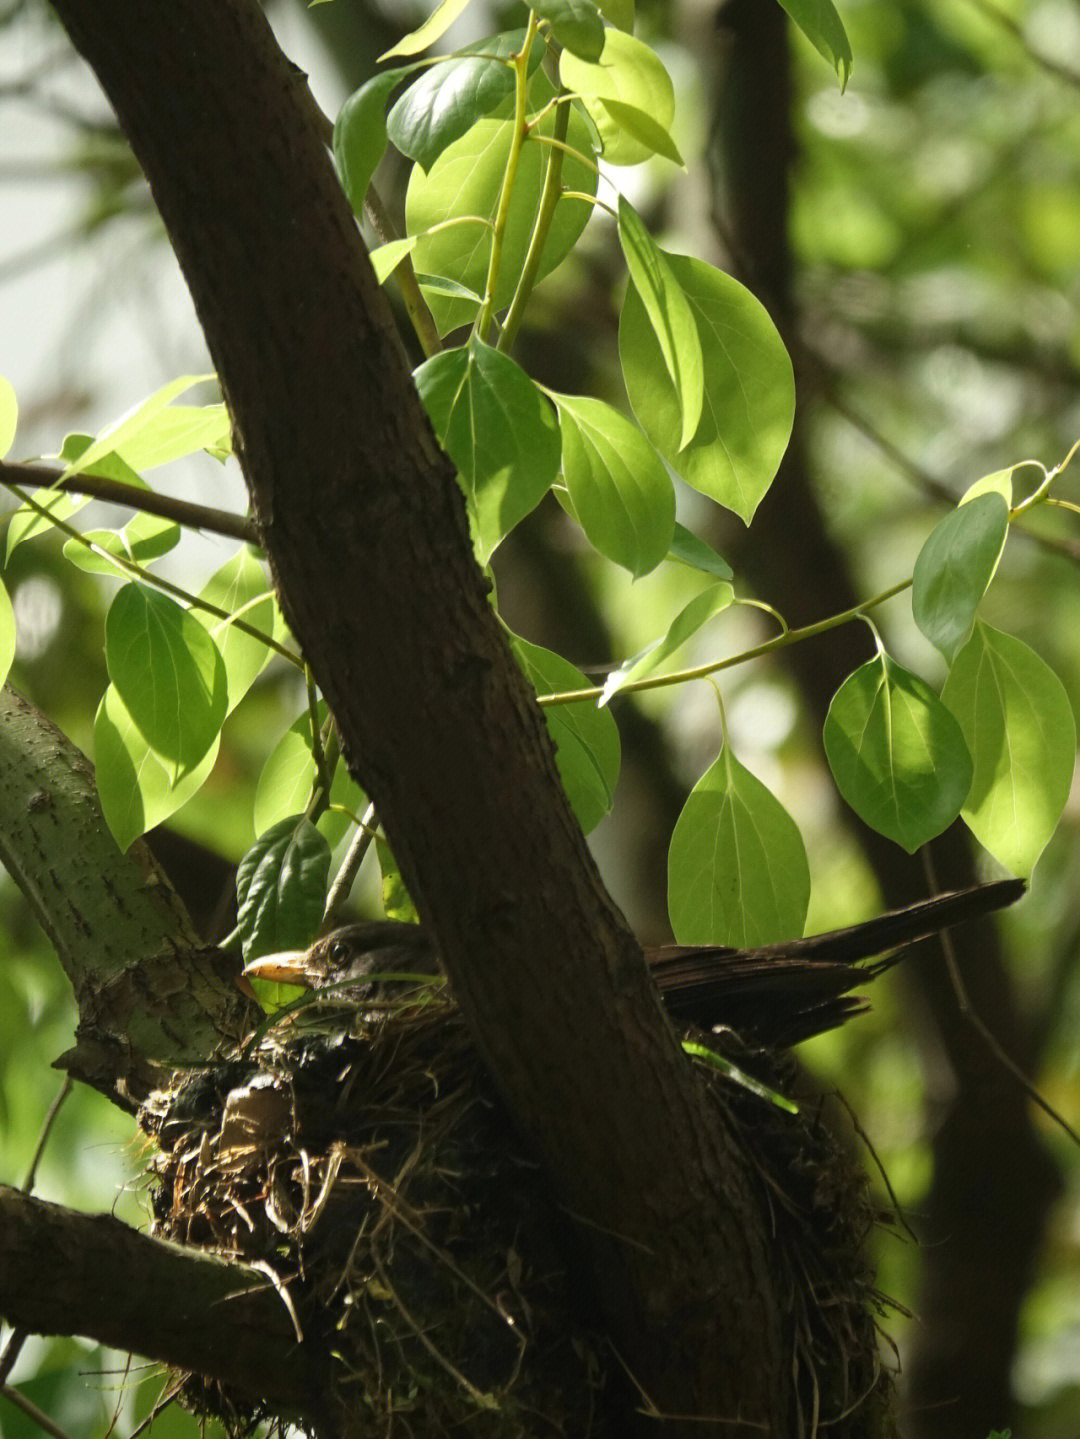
[{"x": 917, "y": 238}]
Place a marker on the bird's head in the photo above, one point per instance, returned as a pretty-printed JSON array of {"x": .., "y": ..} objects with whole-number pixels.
[{"x": 358, "y": 962}]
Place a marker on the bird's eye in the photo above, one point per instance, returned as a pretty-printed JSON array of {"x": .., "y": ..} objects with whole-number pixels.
[{"x": 339, "y": 952}]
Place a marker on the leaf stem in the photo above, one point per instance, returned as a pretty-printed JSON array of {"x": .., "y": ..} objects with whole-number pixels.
[
  {"x": 502, "y": 213},
  {"x": 549, "y": 198},
  {"x": 416, "y": 307},
  {"x": 166, "y": 586},
  {"x": 778, "y": 642}
]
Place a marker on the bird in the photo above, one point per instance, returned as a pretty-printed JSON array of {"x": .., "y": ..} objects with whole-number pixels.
[{"x": 772, "y": 996}]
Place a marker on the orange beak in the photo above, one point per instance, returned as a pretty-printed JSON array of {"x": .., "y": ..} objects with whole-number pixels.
[{"x": 287, "y": 967}]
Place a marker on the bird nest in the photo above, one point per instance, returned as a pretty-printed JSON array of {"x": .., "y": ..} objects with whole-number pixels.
[{"x": 413, "y": 1236}]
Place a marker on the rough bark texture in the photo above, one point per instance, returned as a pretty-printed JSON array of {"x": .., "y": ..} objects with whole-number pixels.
[
  {"x": 365, "y": 530},
  {"x": 150, "y": 994},
  {"x": 68, "y": 1273},
  {"x": 978, "y": 1214}
]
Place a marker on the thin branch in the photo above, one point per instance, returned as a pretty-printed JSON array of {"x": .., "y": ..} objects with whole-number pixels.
[
  {"x": 46, "y": 1130},
  {"x": 115, "y": 492},
  {"x": 30, "y": 1409}
]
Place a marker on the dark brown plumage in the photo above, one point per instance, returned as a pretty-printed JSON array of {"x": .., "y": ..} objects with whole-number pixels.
[{"x": 774, "y": 996}]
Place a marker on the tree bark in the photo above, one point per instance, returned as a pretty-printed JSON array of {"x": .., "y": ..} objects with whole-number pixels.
[
  {"x": 365, "y": 530},
  {"x": 67, "y": 1273}
]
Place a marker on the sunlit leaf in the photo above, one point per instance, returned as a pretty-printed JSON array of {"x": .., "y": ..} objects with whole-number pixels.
[
  {"x": 684, "y": 626},
  {"x": 749, "y": 389},
  {"x": 621, "y": 492},
  {"x": 954, "y": 568},
  {"x": 737, "y": 870},
  {"x": 437, "y": 23},
  {"x": 630, "y": 73},
  {"x": 240, "y": 584},
  {"x": 287, "y": 782},
  {"x": 169, "y": 674},
  {"x": 9, "y": 414},
  {"x": 669, "y": 313},
  {"x": 1018, "y": 724},
  {"x": 144, "y": 538},
  {"x": 499, "y": 431},
  {"x": 138, "y": 427},
  {"x": 396, "y": 900},
  {"x": 386, "y": 258},
  {"x": 27, "y": 524},
  {"x": 897, "y": 754},
  {"x": 467, "y": 179},
  {"x": 134, "y": 784}
]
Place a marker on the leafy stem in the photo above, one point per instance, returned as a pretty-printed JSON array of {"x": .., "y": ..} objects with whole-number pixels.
[
  {"x": 778, "y": 642},
  {"x": 549, "y": 198},
  {"x": 416, "y": 307},
  {"x": 166, "y": 586},
  {"x": 502, "y": 213}
]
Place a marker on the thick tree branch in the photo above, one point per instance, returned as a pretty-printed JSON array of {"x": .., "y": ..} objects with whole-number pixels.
[
  {"x": 67, "y": 1273},
  {"x": 150, "y": 993},
  {"x": 366, "y": 533}
]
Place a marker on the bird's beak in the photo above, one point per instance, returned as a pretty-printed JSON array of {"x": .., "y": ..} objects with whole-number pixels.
[{"x": 290, "y": 966}]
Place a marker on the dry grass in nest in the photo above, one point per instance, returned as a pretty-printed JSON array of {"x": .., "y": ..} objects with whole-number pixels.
[{"x": 375, "y": 1174}]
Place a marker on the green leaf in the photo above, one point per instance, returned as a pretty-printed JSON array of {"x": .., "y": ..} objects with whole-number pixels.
[
  {"x": 738, "y": 1076},
  {"x": 621, "y": 492},
  {"x": 7, "y": 634},
  {"x": 498, "y": 430},
  {"x": 281, "y": 888},
  {"x": 822, "y": 26},
  {"x": 386, "y": 258},
  {"x": 1019, "y": 727},
  {"x": 134, "y": 784},
  {"x": 144, "y": 538},
  {"x": 749, "y": 393},
  {"x": 169, "y": 674},
  {"x": 240, "y": 584},
  {"x": 435, "y": 285},
  {"x": 447, "y": 100},
  {"x": 9, "y": 414},
  {"x": 669, "y": 313},
  {"x": 586, "y": 738},
  {"x": 27, "y": 524},
  {"x": 396, "y": 900},
  {"x": 287, "y": 782},
  {"x": 576, "y": 24},
  {"x": 467, "y": 179},
  {"x": 897, "y": 754},
  {"x": 687, "y": 622},
  {"x": 437, "y": 23},
  {"x": 640, "y": 126},
  {"x": 689, "y": 550},
  {"x": 140, "y": 429},
  {"x": 998, "y": 483},
  {"x": 177, "y": 431},
  {"x": 360, "y": 133},
  {"x": 954, "y": 568},
  {"x": 632, "y": 74},
  {"x": 737, "y": 870}
]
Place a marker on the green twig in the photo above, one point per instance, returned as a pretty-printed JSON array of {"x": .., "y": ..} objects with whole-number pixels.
[
  {"x": 166, "y": 586},
  {"x": 778, "y": 642},
  {"x": 416, "y": 307},
  {"x": 549, "y": 198},
  {"x": 502, "y": 213}
]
